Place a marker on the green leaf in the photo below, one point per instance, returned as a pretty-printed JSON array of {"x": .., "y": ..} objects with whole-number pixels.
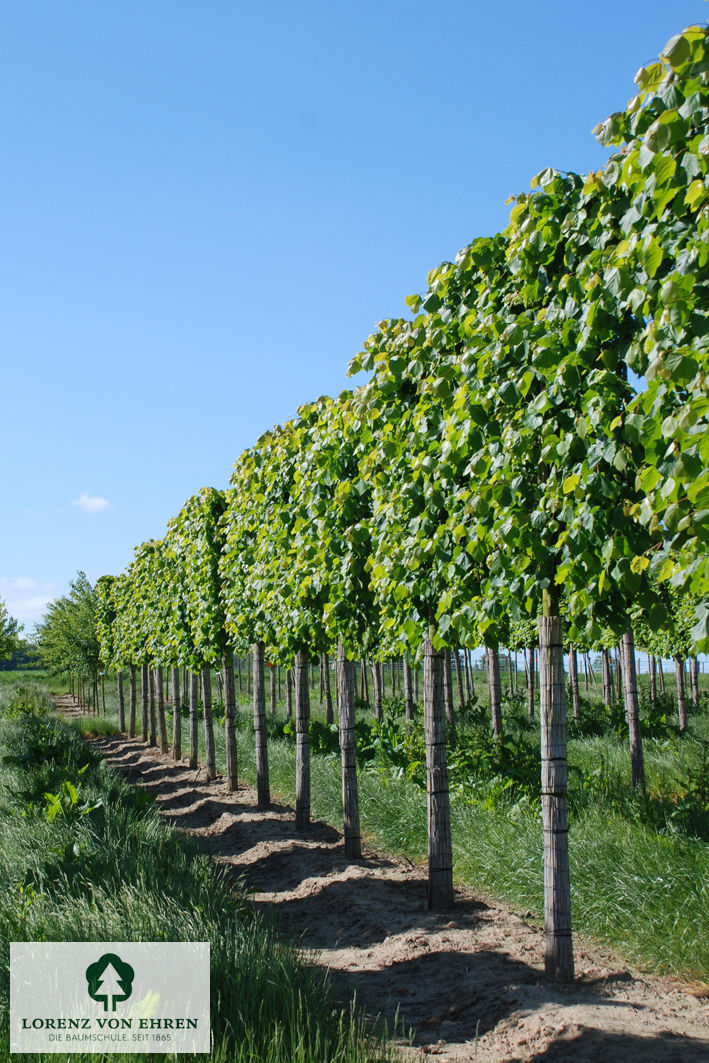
[
  {"x": 652, "y": 256},
  {"x": 677, "y": 51}
]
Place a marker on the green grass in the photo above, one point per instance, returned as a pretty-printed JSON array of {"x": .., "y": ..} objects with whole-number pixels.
[
  {"x": 639, "y": 865},
  {"x": 117, "y": 873}
]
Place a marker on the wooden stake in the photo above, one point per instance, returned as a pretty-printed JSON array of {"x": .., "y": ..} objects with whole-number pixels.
[
  {"x": 302, "y": 739},
  {"x": 440, "y": 858},
  {"x": 559, "y": 960},
  {"x": 346, "y": 688},
  {"x": 260, "y": 736}
]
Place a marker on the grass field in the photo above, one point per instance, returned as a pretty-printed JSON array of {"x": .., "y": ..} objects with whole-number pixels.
[
  {"x": 116, "y": 873},
  {"x": 639, "y": 863}
]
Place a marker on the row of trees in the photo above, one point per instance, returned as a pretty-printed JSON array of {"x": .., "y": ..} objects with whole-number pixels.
[{"x": 498, "y": 466}]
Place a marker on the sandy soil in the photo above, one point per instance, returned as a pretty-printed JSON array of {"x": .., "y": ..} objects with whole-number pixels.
[{"x": 469, "y": 984}]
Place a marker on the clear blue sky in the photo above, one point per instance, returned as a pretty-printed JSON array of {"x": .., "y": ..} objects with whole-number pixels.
[{"x": 207, "y": 206}]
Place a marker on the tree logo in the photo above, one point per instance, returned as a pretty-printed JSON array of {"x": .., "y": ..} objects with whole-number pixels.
[{"x": 110, "y": 980}]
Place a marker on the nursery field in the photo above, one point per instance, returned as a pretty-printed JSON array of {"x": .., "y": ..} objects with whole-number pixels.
[{"x": 639, "y": 868}]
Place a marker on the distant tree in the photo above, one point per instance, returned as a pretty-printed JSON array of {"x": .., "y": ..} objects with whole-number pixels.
[{"x": 9, "y": 633}]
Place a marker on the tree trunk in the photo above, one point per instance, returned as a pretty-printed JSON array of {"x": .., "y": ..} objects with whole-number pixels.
[
  {"x": 238, "y": 672},
  {"x": 681, "y": 698},
  {"x": 472, "y": 673},
  {"x": 574, "y": 683},
  {"x": 328, "y": 692},
  {"x": 210, "y": 758},
  {"x": 376, "y": 687},
  {"x": 607, "y": 678},
  {"x": 160, "y": 706},
  {"x": 494, "y": 690},
  {"x": 132, "y": 702},
  {"x": 448, "y": 694},
  {"x": 440, "y": 857},
  {"x": 365, "y": 680},
  {"x": 509, "y": 672},
  {"x": 466, "y": 669},
  {"x": 121, "y": 702},
  {"x": 260, "y": 737},
  {"x": 232, "y": 767},
  {"x": 530, "y": 684},
  {"x": 458, "y": 676},
  {"x": 274, "y": 695},
  {"x": 662, "y": 675},
  {"x": 194, "y": 722},
  {"x": 151, "y": 697},
  {"x": 416, "y": 685},
  {"x": 619, "y": 678},
  {"x": 585, "y": 671},
  {"x": 694, "y": 680},
  {"x": 289, "y": 693},
  {"x": 302, "y": 739},
  {"x": 408, "y": 694},
  {"x": 144, "y": 699},
  {"x": 278, "y": 667},
  {"x": 346, "y": 688},
  {"x": 652, "y": 666},
  {"x": 176, "y": 716},
  {"x": 632, "y": 710},
  {"x": 103, "y": 693},
  {"x": 559, "y": 959}
]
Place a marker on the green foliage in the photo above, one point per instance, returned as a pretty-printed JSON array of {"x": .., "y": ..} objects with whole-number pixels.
[
  {"x": 9, "y": 632},
  {"x": 68, "y": 637}
]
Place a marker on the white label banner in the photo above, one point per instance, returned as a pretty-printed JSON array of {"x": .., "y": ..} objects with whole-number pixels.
[{"x": 109, "y": 996}]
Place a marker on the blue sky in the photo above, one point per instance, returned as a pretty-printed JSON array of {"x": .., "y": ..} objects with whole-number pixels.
[{"x": 206, "y": 207}]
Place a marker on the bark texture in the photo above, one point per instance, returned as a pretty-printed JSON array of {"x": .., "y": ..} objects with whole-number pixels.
[
  {"x": 121, "y": 702},
  {"x": 329, "y": 716},
  {"x": 144, "y": 699},
  {"x": 607, "y": 678},
  {"x": 377, "y": 688},
  {"x": 653, "y": 678},
  {"x": 289, "y": 693},
  {"x": 260, "y": 738},
  {"x": 681, "y": 694},
  {"x": 494, "y": 690},
  {"x": 530, "y": 684},
  {"x": 694, "y": 680},
  {"x": 440, "y": 858},
  {"x": 176, "y": 716},
  {"x": 232, "y": 767},
  {"x": 574, "y": 683},
  {"x": 559, "y": 960},
  {"x": 209, "y": 757},
  {"x": 194, "y": 720},
  {"x": 459, "y": 678},
  {"x": 346, "y": 689},
  {"x": 632, "y": 709},
  {"x": 302, "y": 741},
  {"x": 153, "y": 741},
  {"x": 132, "y": 702},
  {"x": 160, "y": 706},
  {"x": 448, "y": 693},
  {"x": 274, "y": 696},
  {"x": 408, "y": 692}
]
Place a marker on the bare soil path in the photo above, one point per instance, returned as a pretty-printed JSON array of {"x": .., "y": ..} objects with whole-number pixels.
[{"x": 469, "y": 983}]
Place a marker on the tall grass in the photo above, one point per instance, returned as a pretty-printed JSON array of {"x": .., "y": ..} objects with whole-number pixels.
[
  {"x": 639, "y": 865},
  {"x": 632, "y": 887},
  {"x": 117, "y": 873}
]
